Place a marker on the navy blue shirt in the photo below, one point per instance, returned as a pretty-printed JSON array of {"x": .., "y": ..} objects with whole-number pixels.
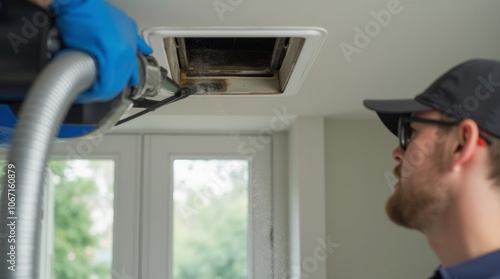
[{"x": 483, "y": 267}]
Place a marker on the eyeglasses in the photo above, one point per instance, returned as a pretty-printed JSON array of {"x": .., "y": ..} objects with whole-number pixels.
[{"x": 405, "y": 131}]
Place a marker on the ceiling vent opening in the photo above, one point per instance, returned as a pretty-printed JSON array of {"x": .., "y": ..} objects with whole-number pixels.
[
  {"x": 229, "y": 56},
  {"x": 238, "y": 61}
]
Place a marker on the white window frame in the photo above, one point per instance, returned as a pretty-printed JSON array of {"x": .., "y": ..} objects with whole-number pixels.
[
  {"x": 160, "y": 151},
  {"x": 126, "y": 151}
]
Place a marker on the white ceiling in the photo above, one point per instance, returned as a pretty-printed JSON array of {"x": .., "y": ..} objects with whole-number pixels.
[{"x": 422, "y": 41}]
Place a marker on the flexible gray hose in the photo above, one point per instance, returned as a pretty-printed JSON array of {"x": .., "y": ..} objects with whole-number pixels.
[{"x": 42, "y": 113}]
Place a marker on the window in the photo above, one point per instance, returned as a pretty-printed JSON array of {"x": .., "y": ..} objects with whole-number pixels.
[
  {"x": 206, "y": 209},
  {"x": 91, "y": 209},
  {"x": 208, "y": 212},
  {"x": 80, "y": 215},
  {"x": 77, "y": 231},
  {"x": 210, "y": 229}
]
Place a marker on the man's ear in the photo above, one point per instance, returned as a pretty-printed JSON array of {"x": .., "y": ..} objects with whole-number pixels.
[{"x": 465, "y": 143}]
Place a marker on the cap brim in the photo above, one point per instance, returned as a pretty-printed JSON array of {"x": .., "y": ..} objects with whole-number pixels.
[{"x": 389, "y": 111}]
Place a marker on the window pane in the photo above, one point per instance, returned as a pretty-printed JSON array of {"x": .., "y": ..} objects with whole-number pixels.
[
  {"x": 83, "y": 218},
  {"x": 210, "y": 219}
]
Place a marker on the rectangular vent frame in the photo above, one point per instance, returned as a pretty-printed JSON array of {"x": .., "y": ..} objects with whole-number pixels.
[{"x": 284, "y": 72}]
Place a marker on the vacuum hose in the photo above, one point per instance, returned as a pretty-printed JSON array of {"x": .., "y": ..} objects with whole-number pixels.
[{"x": 42, "y": 113}]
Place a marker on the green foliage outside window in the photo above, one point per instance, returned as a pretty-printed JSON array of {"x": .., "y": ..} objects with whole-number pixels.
[
  {"x": 73, "y": 243},
  {"x": 211, "y": 238}
]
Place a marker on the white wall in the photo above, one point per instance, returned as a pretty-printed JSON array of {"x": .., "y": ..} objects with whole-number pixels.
[
  {"x": 307, "y": 204},
  {"x": 368, "y": 245},
  {"x": 281, "y": 206},
  {"x": 357, "y": 154}
]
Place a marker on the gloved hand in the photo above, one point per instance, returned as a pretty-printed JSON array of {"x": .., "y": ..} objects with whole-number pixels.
[{"x": 110, "y": 36}]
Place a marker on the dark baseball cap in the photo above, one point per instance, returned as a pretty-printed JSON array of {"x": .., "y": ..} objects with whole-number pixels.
[{"x": 470, "y": 90}]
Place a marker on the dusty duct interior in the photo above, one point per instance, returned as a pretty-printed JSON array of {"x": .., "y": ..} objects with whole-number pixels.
[{"x": 240, "y": 66}]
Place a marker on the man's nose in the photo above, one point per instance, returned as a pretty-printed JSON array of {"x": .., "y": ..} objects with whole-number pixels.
[{"x": 398, "y": 154}]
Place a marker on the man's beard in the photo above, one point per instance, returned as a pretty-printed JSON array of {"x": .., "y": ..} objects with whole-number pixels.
[{"x": 420, "y": 201}]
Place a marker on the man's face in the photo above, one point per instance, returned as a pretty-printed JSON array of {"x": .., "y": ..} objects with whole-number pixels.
[{"x": 420, "y": 195}]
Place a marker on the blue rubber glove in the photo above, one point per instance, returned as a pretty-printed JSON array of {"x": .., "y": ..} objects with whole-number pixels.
[{"x": 110, "y": 36}]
